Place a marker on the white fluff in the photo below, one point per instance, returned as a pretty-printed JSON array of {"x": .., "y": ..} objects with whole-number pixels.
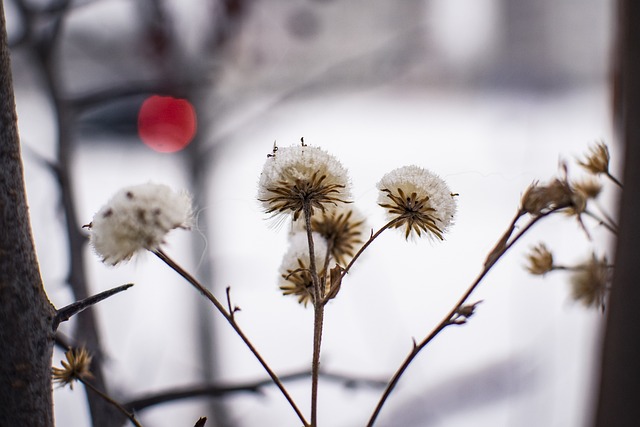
[{"x": 138, "y": 217}]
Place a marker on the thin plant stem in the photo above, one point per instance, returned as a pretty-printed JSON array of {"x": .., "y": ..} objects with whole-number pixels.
[
  {"x": 231, "y": 320},
  {"x": 565, "y": 268},
  {"x": 373, "y": 237},
  {"x": 504, "y": 244},
  {"x": 614, "y": 179},
  {"x": 108, "y": 399},
  {"x": 606, "y": 216},
  {"x": 602, "y": 221},
  {"x": 318, "y": 316}
]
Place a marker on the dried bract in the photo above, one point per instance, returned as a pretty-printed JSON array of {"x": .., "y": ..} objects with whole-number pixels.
[
  {"x": 540, "y": 260},
  {"x": 597, "y": 160},
  {"x": 538, "y": 199},
  {"x": 342, "y": 227},
  {"x": 295, "y": 273},
  {"x": 590, "y": 281},
  {"x": 418, "y": 200},
  {"x": 293, "y": 176},
  {"x": 76, "y": 367},
  {"x": 588, "y": 188},
  {"x": 137, "y": 218}
]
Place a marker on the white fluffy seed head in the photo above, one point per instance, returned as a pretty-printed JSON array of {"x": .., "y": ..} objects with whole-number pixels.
[
  {"x": 138, "y": 217},
  {"x": 302, "y": 174},
  {"x": 420, "y": 200},
  {"x": 295, "y": 275}
]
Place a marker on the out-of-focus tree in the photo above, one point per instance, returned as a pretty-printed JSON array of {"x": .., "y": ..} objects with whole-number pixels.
[
  {"x": 619, "y": 392},
  {"x": 26, "y": 315}
]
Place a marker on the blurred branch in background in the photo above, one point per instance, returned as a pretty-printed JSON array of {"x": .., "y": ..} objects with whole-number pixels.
[{"x": 256, "y": 387}]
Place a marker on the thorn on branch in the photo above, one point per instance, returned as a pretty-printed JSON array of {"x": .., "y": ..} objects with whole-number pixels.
[
  {"x": 65, "y": 313},
  {"x": 201, "y": 422},
  {"x": 232, "y": 308}
]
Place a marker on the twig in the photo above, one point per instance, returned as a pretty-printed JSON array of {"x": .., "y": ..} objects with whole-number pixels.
[
  {"x": 604, "y": 222},
  {"x": 218, "y": 390},
  {"x": 65, "y": 313},
  {"x": 107, "y": 398},
  {"x": 230, "y": 319},
  {"x": 232, "y": 309},
  {"x": 499, "y": 250},
  {"x": 373, "y": 237},
  {"x": 614, "y": 179}
]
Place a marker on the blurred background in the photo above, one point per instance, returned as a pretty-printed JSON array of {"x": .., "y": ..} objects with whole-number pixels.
[{"x": 488, "y": 94}]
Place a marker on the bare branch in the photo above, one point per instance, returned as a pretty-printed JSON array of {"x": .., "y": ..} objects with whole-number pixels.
[
  {"x": 218, "y": 390},
  {"x": 505, "y": 243}
]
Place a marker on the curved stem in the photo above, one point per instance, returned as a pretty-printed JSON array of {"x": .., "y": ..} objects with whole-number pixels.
[
  {"x": 108, "y": 399},
  {"x": 373, "y": 237},
  {"x": 230, "y": 318},
  {"x": 503, "y": 245}
]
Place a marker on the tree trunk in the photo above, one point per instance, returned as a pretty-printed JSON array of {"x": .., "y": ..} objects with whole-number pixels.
[
  {"x": 620, "y": 381},
  {"x": 26, "y": 315}
]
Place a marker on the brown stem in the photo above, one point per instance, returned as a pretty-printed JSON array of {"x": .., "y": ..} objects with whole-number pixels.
[
  {"x": 614, "y": 179},
  {"x": 318, "y": 316},
  {"x": 368, "y": 242},
  {"x": 112, "y": 402},
  {"x": 501, "y": 248},
  {"x": 219, "y": 390},
  {"x": 230, "y": 319},
  {"x": 606, "y": 224}
]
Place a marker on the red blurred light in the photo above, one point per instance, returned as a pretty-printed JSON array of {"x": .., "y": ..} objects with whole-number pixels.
[{"x": 166, "y": 124}]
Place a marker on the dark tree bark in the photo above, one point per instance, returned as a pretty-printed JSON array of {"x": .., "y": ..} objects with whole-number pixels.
[
  {"x": 620, "y": 379},
  {"x": 26, "y": 315}
]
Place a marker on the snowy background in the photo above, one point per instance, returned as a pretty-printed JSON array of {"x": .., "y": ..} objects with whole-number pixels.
[{"x": 490, "y": 95}]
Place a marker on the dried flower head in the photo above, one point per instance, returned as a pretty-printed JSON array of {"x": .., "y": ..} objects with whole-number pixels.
[
  {"x": 296, "y": 175},
  {"x": 76, "y": 367},
  {"x": 343, "y": 228},
  {"x": 597, "y": 160},
  {"x": 540, "y": 260},
  {"x": 136, "y": 218},
  {"x": 538, "y": 199},
  {"x": 295, "y": 273},
  {"x": 418, "y": 200},
  {"x": 590, "y": 281},
  {"x": 589, "y": 188}
]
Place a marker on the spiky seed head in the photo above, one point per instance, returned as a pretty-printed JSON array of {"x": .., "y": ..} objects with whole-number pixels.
[
  {"x": 590, "y": 282},
  {"x": 419, "y": 201},
  {"x": 538, "y": 199},
  {"x": 295, "y": 273},
  {"x": 301, "y": 174},
  {"x": 597, "y": 159},
  {"x": 589, "y": 188},
  {"x": 76, "y": 367},
  {"x": 136, "y": 218},
  {"x": 343, "y": 228},
  {"x": 540, "y": 260}
]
